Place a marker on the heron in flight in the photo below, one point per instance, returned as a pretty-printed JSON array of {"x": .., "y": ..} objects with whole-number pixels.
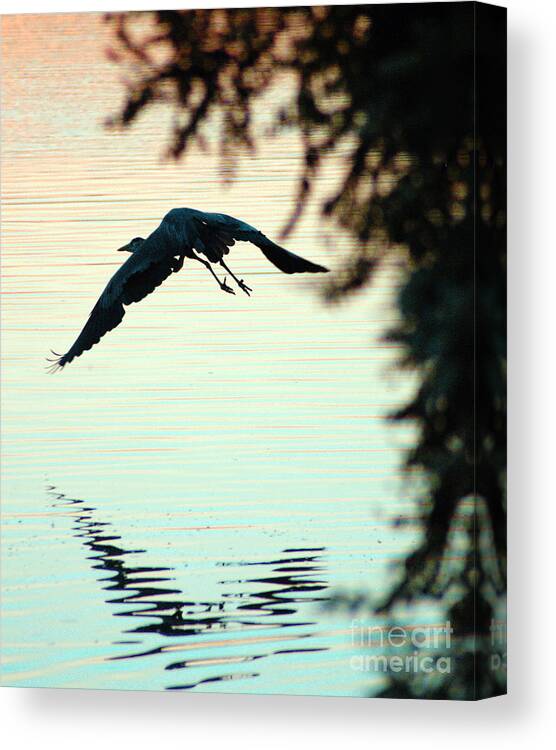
[{"x": 183, "y": 233}]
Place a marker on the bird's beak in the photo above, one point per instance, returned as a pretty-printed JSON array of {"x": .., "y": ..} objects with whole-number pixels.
[{"x": 124, "y": 248}]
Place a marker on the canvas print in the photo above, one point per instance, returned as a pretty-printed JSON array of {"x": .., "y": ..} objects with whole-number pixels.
[{"x": 254, "y": 350}]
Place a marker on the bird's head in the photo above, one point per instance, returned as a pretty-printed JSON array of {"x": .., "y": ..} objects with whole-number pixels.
[{"x": 132, "y": 246}]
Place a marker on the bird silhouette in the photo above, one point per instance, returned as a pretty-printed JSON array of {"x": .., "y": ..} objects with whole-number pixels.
[{"x": 183, "y": 233}]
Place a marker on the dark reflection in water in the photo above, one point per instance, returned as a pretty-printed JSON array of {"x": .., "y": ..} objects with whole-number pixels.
[{"x": 294, "y": 579}]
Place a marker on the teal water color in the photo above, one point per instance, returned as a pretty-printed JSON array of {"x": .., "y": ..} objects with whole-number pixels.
[{"x": 179, "y": 503}]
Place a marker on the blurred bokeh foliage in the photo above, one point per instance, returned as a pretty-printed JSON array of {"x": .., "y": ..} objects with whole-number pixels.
[{"x": 419, "y": 93}]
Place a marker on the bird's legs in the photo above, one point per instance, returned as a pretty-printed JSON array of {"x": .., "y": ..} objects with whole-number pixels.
[
  {"x": 240, "y": 282},
  {"x": 221, "y": 284},
  {"x": 177, "y": 263}
]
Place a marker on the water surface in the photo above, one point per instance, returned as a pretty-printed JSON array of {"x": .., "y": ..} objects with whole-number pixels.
[{"x": 179, "y": 503}]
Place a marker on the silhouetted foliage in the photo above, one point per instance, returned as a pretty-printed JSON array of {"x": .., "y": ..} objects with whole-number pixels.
[{"x": 427, "y": 178}]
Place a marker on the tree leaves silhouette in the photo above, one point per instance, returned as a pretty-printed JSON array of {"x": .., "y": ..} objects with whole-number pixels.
[{"x": 419, "y": 92}]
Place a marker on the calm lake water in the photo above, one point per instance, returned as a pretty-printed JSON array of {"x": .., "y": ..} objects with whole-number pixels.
[{"x": 179, "y": 503}]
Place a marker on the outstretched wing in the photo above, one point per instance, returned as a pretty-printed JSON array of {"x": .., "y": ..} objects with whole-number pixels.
[
  {"x": 283, "y": 259},
  {"x": 135, "y": 279},
  {"x": 228, "y": 229}
]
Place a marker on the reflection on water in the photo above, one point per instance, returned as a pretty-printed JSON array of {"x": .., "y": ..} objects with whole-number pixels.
[
  {"x": 218, "y": 444},
  {"x": 292, "y": 583}
]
